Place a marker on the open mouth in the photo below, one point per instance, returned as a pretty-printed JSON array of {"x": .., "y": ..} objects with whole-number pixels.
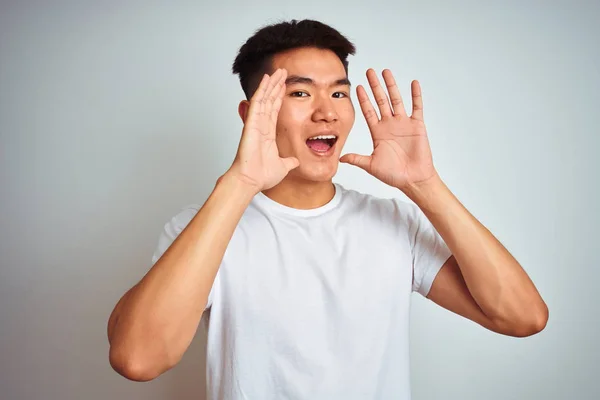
[{"x": 321, "y": 144}]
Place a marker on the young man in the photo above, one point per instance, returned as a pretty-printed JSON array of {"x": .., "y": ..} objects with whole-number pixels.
[{"x": 308, "y": 283}]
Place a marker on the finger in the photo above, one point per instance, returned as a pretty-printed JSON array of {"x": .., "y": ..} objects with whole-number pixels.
[
  {"x": 290, "y": 163},
  {"x": 358, "y": 160},
  {"x": 366, "y": 107},
  {"x": 274, "y": 86},
  {"x": 264, "y": 103},
  {"x": 278, "y": 83},
  {"x": 262, "y": 87},
  {"x": 259, "y": 94},
  {"x": 417, "y": 101},
  {"x": 272, "y": 93},
  {"x": 277, "y": 103},
  {"x": 395, "y": 97},
  {"x": 379, "y": 93}
]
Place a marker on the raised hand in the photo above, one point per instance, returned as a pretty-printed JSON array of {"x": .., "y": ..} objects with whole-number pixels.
[
  {"x": 401, "y": 153},
  {"x": 257, "y": 162}
]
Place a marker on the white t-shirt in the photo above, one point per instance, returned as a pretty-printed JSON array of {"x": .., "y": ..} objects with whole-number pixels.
[{"x": 314, "y": 304}]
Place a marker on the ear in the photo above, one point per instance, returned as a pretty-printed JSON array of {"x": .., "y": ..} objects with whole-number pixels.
[{"x": 243, "y": 108}]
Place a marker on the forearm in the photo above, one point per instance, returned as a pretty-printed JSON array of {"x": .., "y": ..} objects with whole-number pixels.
[
  {"x": 496, "y": 281},
  {"x": 155, "y": 321}
]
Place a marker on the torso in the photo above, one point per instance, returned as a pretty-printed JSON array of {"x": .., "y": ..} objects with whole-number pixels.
[{"x": 313, "y": 304}]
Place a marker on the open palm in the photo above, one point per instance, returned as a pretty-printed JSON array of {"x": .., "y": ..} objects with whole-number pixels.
[
  {"x": 257, "y": 161},
  {"x": 401, "y": 153}
]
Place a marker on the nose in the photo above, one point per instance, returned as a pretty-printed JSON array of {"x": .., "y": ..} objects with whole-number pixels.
[{"x": 324, "y": 109}]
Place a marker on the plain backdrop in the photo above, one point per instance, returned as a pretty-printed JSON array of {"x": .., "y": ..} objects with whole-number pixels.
[{"x": 115, "y": 114}]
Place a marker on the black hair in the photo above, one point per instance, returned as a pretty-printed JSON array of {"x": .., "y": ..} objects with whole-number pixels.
[{"x": 255, "y": 56}]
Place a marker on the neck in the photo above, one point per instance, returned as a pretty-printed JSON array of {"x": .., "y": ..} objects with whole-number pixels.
[{"x": 301, "y": 194}]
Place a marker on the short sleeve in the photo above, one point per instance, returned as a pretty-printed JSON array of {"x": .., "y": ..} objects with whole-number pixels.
[
  {"x": 429, "y": 251},
  {"x": 171, "y": 231}
]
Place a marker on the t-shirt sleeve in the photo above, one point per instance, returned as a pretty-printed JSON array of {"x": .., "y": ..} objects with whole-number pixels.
[
  {"x": 171, "y": 231},
  {"x": 429, "y": 251}
]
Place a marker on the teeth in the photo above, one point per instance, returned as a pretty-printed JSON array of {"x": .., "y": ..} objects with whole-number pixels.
[{"x": 322, "y": 137}]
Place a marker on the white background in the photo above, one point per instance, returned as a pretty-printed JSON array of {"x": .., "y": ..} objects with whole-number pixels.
[{"x": 114, "y": 115}]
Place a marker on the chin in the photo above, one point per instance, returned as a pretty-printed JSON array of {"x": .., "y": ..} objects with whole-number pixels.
[
  {"x": 315, "y": 166},
  {"x": 316, "y": 173}
]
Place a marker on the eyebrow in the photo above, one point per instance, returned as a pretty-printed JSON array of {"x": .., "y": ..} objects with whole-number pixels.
[{"x": 296, "y": 79}]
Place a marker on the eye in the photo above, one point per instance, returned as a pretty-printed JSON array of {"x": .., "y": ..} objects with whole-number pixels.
[
  {"x": 298, "y": 94},
  {"x": 340, "y": 95}
]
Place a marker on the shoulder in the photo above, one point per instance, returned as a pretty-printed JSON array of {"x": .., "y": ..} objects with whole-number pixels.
[
  {"x": 393, "y": 208},
  {"x": 173, "y": 227},
  {"x": 182, "y": 218}
]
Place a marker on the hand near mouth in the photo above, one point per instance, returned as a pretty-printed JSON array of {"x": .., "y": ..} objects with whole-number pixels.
[
  {"x": 401, "y": 153},
  {"x": 257, "y": 162}
]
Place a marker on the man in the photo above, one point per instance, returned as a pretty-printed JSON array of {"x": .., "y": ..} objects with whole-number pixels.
[{"x": 308, "y": 283}]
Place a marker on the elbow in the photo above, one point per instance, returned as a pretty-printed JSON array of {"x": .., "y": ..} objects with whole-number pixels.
[
  {"x": 540, "y": 319},
  {"x": 530, "y": 324},
  {"x": 136, "y": 367}
]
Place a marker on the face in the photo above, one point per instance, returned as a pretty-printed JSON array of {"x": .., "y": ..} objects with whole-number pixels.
[{"x": 316, "y": 114}]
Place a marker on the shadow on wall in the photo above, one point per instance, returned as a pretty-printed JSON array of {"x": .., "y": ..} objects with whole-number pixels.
[
  {"x": 191, "y": 157},
  {"x": 195, "y": 161},
  {"x": 189, "y": 380}
]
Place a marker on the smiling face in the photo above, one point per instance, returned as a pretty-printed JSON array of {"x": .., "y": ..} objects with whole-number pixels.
[{"x": 316, "y": 114}]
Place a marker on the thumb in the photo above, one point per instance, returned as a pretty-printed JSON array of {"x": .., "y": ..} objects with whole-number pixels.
[
  {"x": 363, "y": 162},
  {"x": 290, "y": 163}
]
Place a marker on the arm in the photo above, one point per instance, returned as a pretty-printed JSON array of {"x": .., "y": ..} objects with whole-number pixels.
[
  {"x": 154, "y": 323},
  {"x": 482, "y": 281}
]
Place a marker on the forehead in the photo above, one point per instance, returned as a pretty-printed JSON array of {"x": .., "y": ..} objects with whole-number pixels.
[{"x": 318, "y": 64}]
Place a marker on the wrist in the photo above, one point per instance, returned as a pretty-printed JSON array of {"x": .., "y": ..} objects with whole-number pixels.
[
  {"x": 425, "y": 191},
  {"x": 238, "y": 185}
]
